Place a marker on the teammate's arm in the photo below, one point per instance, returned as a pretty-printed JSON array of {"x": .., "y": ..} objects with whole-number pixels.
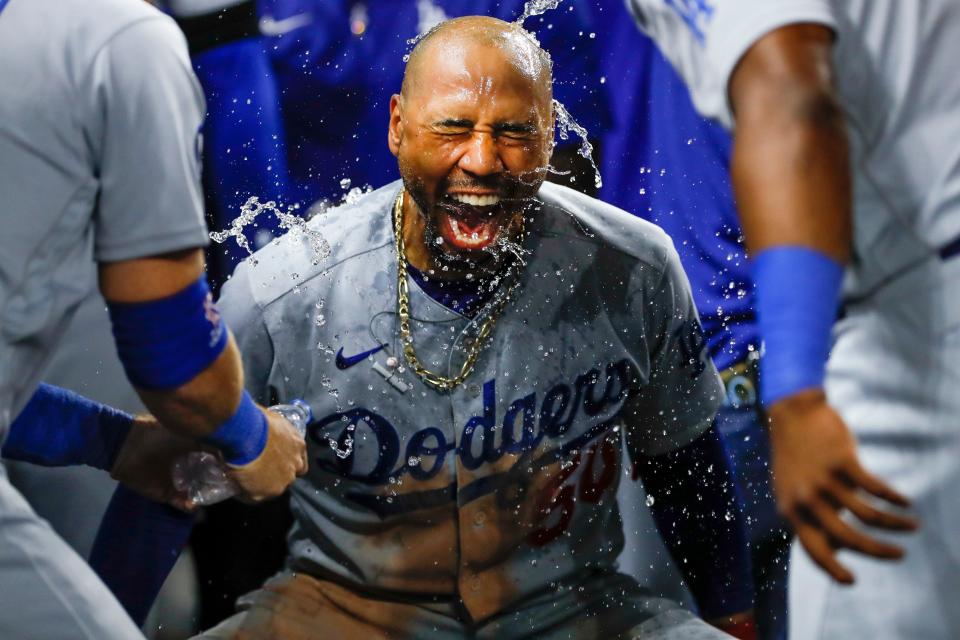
[
  {"x": 209, "y": 405},
  {"x": 792, "y": 180},
  {"x": 145, "y": 110}
]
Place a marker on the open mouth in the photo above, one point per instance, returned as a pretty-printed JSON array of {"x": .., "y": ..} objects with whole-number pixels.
[{"x": 469, "y": 221}]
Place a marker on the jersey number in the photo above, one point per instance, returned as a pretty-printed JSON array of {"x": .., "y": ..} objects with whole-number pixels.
[{"x": 558, "y": 497}]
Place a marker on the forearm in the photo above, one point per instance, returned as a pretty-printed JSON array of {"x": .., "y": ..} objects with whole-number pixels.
[
  {"x": 197, "y": 408},
  {"x": 190, "y": 399},
  {"x": 790, "y": 166},
  {"x": 60, "y": 428},
  {"x": 791, "y": 176},
  {"x": 699, "y": 516}
]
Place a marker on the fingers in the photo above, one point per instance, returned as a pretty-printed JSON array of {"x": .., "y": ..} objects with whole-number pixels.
[
  {"x": 283, "y": 459},
  {"x": 846, "y": 497},
  {"x": 821, "y": 552},
  {"x": 822, "y": 531},
  {"x": 862, "y": 478},
  {"x": 841, "y": 534}
]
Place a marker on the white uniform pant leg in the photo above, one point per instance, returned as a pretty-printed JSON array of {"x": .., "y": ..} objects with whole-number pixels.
[
  {"x": 894, "y": 376},
  {"x": 46, "y": 590}
]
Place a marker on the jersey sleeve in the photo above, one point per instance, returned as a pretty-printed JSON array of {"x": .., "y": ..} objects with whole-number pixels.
[
  {"x": 244, "y": 316},
  {"x": 683, "y": 391},
  {"x": 148, "y": 109},
  {"x": 705, "y": 39}
]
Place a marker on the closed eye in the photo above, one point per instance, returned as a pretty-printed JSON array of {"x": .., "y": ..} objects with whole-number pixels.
[
  {"x": 452, "y": 127},
  {"x": 515, "y": 130}
]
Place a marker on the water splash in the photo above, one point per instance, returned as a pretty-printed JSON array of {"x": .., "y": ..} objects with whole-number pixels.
[
  {"x": 566, "y": 124},
  {"x": 295, "y": 225},
  {"x": 535, "y": 8},
  {"x": 412, "y": 43},
  {"x": 356, "y": 193},
  {"x": 248, "y": 213},
  {"x": 347, "y": 449},
  {"x": 514, "y": 248}
]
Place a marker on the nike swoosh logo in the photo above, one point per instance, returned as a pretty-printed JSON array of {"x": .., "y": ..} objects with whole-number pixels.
[
  {"x": 271, "y": 27},
  {"x": 345, "y": 362}
]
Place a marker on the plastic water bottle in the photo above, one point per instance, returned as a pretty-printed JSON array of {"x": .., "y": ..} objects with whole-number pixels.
[{"x": 203, "y": 477}]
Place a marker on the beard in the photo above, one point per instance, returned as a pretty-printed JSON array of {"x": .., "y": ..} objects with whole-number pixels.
[{"x": 498, "y": 223}]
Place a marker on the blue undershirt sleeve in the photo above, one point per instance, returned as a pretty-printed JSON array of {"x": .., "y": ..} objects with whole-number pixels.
[
  {"x": 699, "y": 516},
  {"x": 59, "y": 428},
  {"x": 136, "y": 547}
]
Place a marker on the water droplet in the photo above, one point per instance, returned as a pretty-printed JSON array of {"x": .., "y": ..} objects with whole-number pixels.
[
  {"x": 566, "y": 124},
  {"x": 535, "y": 8}
]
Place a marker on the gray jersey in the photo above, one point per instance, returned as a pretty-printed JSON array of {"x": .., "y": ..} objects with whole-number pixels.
[
  {"x": 99, "y": 140},
  {"x": 896, "y": 72},
  {"x": 506, "y": 484}
]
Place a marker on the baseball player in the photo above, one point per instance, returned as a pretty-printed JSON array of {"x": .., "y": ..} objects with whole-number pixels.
[
  {"x": 296, "y": 81},
  {"x": 845, "y": 168},
  {"x": 99, "y": 123},
  {"x": 493, "y": 345}
]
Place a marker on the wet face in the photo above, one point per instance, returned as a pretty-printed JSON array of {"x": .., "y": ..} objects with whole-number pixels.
[{"x": 472, "y": 135}]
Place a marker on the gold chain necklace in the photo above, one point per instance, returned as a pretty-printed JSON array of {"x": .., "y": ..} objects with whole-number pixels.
[{"x": 403, "y": 309}]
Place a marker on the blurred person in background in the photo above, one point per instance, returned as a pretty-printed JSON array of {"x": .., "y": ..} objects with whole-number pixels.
[{"x": 846, "y": 122}]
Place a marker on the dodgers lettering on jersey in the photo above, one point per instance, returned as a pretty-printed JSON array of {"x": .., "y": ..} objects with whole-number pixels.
[
  {"x": 483, "y": 439},
  {"x": 416, "y": 491}
]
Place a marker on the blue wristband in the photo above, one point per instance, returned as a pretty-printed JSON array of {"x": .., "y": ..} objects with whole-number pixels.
[
  {"x": 59, "y": 428},
  {"x": 243, "y": 436},
  {"x": 165, "y": 343},
  {"x": 797, "y": 295}
]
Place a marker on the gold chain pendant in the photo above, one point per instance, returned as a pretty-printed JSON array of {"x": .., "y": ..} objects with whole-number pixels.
[{"x": 476, "y": 345}]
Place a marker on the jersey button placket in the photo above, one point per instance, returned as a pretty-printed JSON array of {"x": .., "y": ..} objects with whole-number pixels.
[{"x": 478, "y": 522}]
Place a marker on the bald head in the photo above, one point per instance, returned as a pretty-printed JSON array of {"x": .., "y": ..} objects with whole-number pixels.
[
  {"x": 472, "y": 130},
  {"x": 516, "y": 46}
]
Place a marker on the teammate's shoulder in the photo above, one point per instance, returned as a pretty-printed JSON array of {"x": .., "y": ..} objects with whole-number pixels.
[
  {"x": 328, "y": 241},
  {"x": 585, "y": 219},
  {"x": 89, "y": 24}
]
